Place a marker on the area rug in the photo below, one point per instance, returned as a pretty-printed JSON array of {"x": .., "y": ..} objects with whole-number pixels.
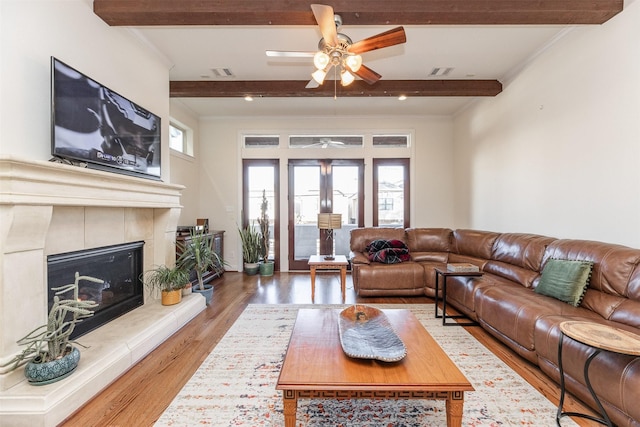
[{"x": 235, "y": 385}]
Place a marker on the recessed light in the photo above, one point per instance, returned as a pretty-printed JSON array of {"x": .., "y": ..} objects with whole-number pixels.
[
  {"x": 402, "y": 97},
  {"x": 248, "y": 98}
]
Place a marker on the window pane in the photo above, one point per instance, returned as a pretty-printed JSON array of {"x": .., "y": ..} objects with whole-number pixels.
[
  {"x": 176, "y": 138},
  {"x": 308, "y": 141},
  {"x": 306, "y": 208},
  {"x": 345, "y": 202},
  {"x": 391, "y": 195},
  {"x": 261, "y": 179},
  {"x": 259, "y": 141},
  {"x": 390, "y": 141}
]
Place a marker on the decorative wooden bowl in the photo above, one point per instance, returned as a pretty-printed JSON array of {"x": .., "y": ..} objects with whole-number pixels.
[{"x": 365, "y": 333}]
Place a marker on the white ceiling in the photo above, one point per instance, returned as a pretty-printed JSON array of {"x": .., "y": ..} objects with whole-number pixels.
[{"x": 474, "y": 52}]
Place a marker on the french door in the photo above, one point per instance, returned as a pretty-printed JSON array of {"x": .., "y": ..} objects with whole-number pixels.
[
  {"x": 260, "y": 176},
  {"x": 319, "y": 186}
]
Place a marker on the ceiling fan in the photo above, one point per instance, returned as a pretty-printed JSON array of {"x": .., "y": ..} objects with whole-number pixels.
[
  {"x": 325, "y": 143},
  {"x": 338, "y": 51}
]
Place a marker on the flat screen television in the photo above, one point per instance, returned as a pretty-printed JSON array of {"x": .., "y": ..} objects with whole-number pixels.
[{"x": 94, "y": 125}]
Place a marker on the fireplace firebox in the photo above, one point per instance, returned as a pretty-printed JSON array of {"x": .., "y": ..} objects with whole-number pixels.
[{"x": 119, "y": 266}]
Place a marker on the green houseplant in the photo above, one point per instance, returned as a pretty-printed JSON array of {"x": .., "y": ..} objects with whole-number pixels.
[
  {"x": 169, "y": 281},
  {"x": 196, "y": 253},
  {"x": 251, "y": 247},
  {"x": 49, "y": 354},
  {"x": 266, "y": 267}
]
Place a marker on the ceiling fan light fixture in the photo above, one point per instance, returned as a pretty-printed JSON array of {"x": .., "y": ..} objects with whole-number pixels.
[
  {"x": 346, "y": 78},
  {"x": 354, "y": 62},
  {"x": 321, "y": 60},
  {"x": 319, "y": 76}
]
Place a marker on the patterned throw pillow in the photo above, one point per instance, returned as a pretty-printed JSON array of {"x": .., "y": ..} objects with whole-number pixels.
[
  {"x": 388, "y": 251},
  {"x": 565, "y": 280}
]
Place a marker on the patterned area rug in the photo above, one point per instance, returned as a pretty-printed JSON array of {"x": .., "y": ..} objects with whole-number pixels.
[{"x": 235, "y": 385}]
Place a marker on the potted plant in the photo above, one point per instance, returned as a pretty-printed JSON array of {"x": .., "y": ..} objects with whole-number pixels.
[
  {"x": 266, "y": 266},
  {"x": 198, "y": 254},
  {"x": 50, "y": 355},
  {"x": 251, "y": 244},
  {"x": 169, "y": 280}
]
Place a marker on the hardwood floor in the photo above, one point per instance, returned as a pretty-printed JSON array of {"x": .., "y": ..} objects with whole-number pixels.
[{"x": 139, "y": 397}]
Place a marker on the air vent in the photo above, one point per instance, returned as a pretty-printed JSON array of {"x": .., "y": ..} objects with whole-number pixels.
[
  {"x": 222, "y": 73},
  {"x": 440, "y": 71}
]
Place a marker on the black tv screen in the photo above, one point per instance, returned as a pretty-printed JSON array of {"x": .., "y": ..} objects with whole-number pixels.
[{"x": 93, "y": 124}]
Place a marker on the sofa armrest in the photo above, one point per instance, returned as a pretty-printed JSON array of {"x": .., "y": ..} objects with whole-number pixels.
[{"x": 358, "y": 258}]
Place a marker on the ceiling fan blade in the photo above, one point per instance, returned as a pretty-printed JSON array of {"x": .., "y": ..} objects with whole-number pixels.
[
  {"x": 312, "y": 84},
  {"x": 289, "y": 54},
  {"x": 386, "y": 39},
  {"x": 367, "y": 74},
  {"x": 324, "y": 18}
]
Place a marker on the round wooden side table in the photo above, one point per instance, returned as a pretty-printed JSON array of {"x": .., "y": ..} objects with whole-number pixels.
[{"x": 600, "y": 338}]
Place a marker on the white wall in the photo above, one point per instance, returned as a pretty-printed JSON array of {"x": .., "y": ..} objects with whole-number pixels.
[
  {"x": 220, "y": 159},
  {"x": 33, "y": 31},
  {"x": 185, "y": 169},
  {"x": 558, "y": 152}
]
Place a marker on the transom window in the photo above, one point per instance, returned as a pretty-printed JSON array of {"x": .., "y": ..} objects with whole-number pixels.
[
  {"x": 333, "y": 141},
  {"x": 261, "y": 141},
  {"x": 400, "y": 141}
]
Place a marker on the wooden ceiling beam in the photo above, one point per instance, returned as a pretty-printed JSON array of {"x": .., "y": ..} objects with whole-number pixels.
[
  {"x": 356, "y": 12},
  {"x": 359, "y": 88}
]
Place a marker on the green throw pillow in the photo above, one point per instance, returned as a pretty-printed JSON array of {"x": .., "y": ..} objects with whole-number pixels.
[{"x": 565, "y": 280}]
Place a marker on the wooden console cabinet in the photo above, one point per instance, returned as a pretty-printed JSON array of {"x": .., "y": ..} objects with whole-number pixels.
[{"x": 217, "y": 242}]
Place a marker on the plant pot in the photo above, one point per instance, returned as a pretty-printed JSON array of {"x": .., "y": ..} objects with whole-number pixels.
[
  {"x": 207, "y": 292},
  {"x": 251, "y": 268},
  {"x": 266, "y": 268},
  {"x": 171, "y": 297},
  {"x": 187, "y": 289},
  {"x": 42, "y": 373}
]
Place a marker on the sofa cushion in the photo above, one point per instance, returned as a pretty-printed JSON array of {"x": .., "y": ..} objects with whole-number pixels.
[
  {"x": 523, "y": 276},
  {"x": 520, "y": 249},
  {"x": 565, "y": 280},
  {"x": 616, "y": 268},
  {"x": 511, "y": 311},
  {"x": 439, "y": 257},
  {"x": 378, "y": 279},
  {"x": 429, "y": 239},
  {"x": 474, "y": 243}
]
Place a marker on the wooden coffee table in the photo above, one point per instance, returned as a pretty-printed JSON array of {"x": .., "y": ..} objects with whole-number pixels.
[{"x": 315, "y": 366}]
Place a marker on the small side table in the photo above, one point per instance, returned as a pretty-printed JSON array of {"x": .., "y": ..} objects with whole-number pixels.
[
  {"x": 317, "y": 262},
  {"x": 599, "y": 337},
  {"x": 444, "y": 273}
]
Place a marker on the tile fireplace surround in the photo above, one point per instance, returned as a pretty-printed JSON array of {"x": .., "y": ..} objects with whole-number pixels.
[{"x": 48, "y": 208}]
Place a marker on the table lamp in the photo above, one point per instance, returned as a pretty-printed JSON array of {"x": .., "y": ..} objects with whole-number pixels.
[{"x": 329, "y": 222}]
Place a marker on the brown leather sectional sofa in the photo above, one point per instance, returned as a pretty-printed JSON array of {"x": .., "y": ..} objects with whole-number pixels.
[{"x": 504, "y": 303}]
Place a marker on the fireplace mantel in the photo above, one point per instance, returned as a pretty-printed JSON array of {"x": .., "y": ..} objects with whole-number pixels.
[
  {"x": 27, "y": 182},
  {"x": 48, "y": 208}
]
